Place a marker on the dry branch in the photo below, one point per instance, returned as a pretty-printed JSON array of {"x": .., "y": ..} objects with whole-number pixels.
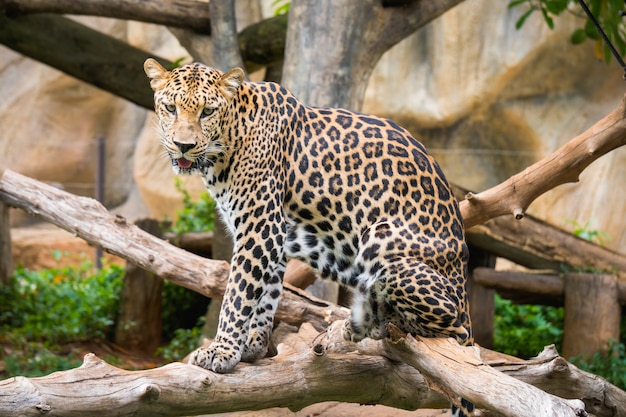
[
  {"x": 298, "y": 376},
  {"x": 453, "y": 370},
  {"x": 514, "y": 195},
  {"x": 89, "y": 220},
  {"x": 189, "y": 14}
]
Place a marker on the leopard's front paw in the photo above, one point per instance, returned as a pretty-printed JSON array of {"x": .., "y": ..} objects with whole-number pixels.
[
  {"x": 218, "y": 357},
  {"x": 350, "y": 334},
  {"x": 256, "y": 347}
]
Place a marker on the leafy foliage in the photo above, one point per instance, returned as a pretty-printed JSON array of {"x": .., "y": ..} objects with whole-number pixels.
[
  {"x": 182, "y": 342},
  {"x": 281, "y": 6},
  {"x": 584, "y": 231},
  {"x": 611, "y": 366},
  {"x": 61, "y": 305},
  {"x": 42, "y": 310},
  {"x": 606, "y": 12},
  {"x": 195, "y": 216},
  {"x": 524, "y": 330}
]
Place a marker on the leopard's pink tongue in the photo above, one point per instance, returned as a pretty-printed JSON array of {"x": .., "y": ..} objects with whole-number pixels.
[{"x": 183, "y": 163}]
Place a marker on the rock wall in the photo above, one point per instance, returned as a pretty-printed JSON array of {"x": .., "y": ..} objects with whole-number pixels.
[
  {"x": 486, "y": 99},
  {"x": 489, "y": 100}
]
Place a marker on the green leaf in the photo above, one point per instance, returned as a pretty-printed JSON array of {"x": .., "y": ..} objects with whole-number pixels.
[
  {"x": 516, "y": 3},
  {"x": 556, "y": 6},
  {"x": 578, "y": 36},
  {"x": 522, "y": 19},
  {"x": 547, "y": 18}
]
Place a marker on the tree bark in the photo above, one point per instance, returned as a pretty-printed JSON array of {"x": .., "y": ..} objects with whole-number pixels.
[
  {"x": 457, "y": 372},
  {"x": 298, "y": 376},
  {"x": 81, "y": 52},
  {"x": 109, "y": 63},
  {"x": 538, "y": 245},
  {"x": 178, "y": 13},
  {"x": 88, "y": 219},
  {"x": 139, "y": 325},
  {"x": 334, "y": 70},
  {"x": 531, "y": 288},
  {"x": 592, "y": 314}
]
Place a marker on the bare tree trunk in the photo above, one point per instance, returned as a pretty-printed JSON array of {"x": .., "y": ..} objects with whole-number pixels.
[
  {"x": 6, "y": 256},
  {"x": 592, "y": 314},
  {"x": 139, "y": 324},
  {"x": 333, "y": 46}
]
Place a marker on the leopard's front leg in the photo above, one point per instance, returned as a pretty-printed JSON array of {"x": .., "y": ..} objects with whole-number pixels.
[{"x": 249, "y": 304}]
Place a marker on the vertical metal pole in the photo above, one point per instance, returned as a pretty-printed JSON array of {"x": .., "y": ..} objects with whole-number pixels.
[{"x": 100, "y": 177}]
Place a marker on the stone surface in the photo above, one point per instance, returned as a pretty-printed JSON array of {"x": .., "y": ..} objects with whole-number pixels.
[{"x": 489, "y": 103}]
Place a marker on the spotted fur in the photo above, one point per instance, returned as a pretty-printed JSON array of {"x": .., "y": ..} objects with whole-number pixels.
[{"x": 353, "y": 195}]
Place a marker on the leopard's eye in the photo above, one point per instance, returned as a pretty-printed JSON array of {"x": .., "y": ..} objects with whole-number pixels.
[
  {"x": 207, "y": 111},
  {"x": 171, "y": 108}
]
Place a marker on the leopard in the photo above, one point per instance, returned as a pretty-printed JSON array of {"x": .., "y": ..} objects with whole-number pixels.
[{"x": 353, "y": 195}]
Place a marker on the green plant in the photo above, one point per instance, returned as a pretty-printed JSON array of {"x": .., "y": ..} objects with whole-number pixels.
[
  {"x": 584, "y": 231},
  {"x": 183, "y": 342},
  {"x": 524, "y": 330},
  {"x": 195, "y": 216},
  {"x": 181, "y": 309},
  {"x": 611, "y": 366},
  {"x": 42, "y": 310},
  {"x": 60, "y": 305},
  {"x": 281, "y": 6},
  {"x": 606, "y": 12}
]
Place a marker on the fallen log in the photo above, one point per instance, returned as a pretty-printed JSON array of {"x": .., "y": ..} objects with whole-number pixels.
[{"x": 298, "y": 376}]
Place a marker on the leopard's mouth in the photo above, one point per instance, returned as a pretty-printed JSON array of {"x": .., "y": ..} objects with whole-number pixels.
[
  {"x": 186, "y": 166},
  {"x": 184, "y": 163}
]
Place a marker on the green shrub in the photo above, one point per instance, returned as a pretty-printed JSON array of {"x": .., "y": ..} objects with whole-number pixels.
[
  {"x": 611, "y": 366},
  {"x": 524, "y": 330},
  {"x": 61, "y": 305},
  {"x": 42, "y": 310},
  {"x": 182, "y": 343},
  {"x": 195, "y": 216}
]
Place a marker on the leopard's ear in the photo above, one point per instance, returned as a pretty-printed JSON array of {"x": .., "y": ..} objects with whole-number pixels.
[
  {"x": 231, "y": 81},
  {"x": 157, "y": 74}
]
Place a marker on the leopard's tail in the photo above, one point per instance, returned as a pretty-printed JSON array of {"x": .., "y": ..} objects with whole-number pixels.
[{"x": 466, "y": 409}]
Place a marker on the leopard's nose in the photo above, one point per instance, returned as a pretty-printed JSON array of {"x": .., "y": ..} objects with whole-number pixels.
[{"x": 184, "y": 147}]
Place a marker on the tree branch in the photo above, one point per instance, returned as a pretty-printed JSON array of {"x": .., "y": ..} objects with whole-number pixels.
[
  {"x": 187, "y": 14},
  {"x": 455, "y": 371},
  {"x": 79, "y": 51},
  {"x": 564, "y": 165},
  {"x": 88, "y": 219},
  {"x": 298, "y": 376}
]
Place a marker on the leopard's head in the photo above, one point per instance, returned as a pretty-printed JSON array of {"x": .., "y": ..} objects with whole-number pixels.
[{"x": 191, "y": 102}]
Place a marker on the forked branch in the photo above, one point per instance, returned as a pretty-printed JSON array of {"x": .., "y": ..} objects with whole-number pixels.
[{"x": 514, "y": 195}]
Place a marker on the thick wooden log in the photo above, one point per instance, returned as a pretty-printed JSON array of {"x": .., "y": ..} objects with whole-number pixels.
[
  {"x": 592, "y": 314},
  {"x": 81, "y": 52},
  {"x": 177, "y": 13},
  {"x": 139, "y": 324},
  {"x": 299, "y": 375},
  {"x": 531, "y": 288},
  {"x": 6, "y": 255},
  {"x": 535, "y": 244},
  {"x": 481, "y": 298},
  {"x": 456, "y": 371}
]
